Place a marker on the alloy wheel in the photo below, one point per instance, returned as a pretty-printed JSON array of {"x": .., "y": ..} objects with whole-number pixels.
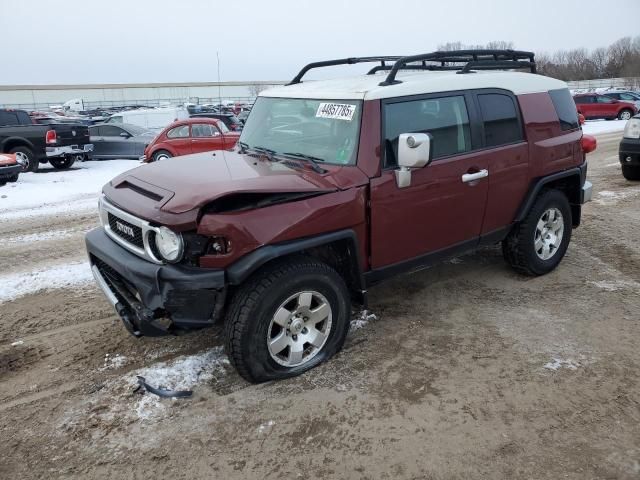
[
  {"x": 548, "y": 234},
  {"x": 299, "y": 329}
]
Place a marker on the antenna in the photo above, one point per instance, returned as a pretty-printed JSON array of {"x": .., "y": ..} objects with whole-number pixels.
[{"x": 219, "y": 94}]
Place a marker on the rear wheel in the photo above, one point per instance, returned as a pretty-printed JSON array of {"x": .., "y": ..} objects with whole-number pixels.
[
  {"x": 537, "y": 244},
  {"x": 287, "y": 319},
  {"x": 630, "y": 172},
  {"x": 27, "y": 158},
  {"x": 62, "y": 163},
  {"x": 161, "y": 155},
  {"x": 625, "y": 114}
]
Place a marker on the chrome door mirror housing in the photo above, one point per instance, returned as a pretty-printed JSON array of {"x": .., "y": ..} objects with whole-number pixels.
[{"x": 414, "y": 151}]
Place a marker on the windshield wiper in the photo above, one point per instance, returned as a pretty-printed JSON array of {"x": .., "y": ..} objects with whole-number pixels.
[
  {"x": 243, "y": 146},
  {"x": 312, "y": 160}
]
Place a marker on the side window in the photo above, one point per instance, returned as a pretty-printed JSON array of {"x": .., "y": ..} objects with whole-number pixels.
[
  {"x": 109, "y": 131},
  {"x": 625, "y": 96},
  {"x": 203, "y": 130},
  {"x": 24, "y": 118},
  {"x": 445, "y": 118},
  {"x": 565, "y": 108},
  {"x": 579, "y": 100},
  {"x": 603, "y": 99},
  {"x": 179, "y": 132},
  {"x": 500, "y": 118},
  {"x": 95, "y": 131},
  {"x": 116, "y": 119},
  {"x": 8, "y": 118}
]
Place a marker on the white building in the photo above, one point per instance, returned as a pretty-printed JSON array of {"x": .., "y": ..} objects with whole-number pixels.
[{"x": 34, "y": 97}]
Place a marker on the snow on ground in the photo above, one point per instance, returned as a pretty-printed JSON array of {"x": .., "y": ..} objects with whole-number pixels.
[
  {"x": 594, "y": 127},
  {"x": 59, "y": 191},
  {"x": 58, "y": 276},
  {"x": 38, "y": 237},
  {"x": 558, "y": 363}
]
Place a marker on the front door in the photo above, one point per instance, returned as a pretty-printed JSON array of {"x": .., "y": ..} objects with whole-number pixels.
[
  {"x": 205, "y": 138},
  {"x": 445, "y": 204}
]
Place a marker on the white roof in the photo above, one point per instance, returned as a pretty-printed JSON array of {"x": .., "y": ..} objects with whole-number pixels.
[{"x": 366, "y": 87}]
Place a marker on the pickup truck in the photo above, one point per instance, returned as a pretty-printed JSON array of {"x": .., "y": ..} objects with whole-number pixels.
[{"x": 59, "y": 144}]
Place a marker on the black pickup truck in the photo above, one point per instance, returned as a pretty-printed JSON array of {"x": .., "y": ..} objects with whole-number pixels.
[{"x": 59, "y": 144}]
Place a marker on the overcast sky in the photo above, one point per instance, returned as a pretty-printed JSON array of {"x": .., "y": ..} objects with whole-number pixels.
[{"x": 113, "y": 41}]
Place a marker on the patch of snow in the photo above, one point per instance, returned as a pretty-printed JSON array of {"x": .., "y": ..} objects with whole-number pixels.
[
  {"x": 17, "y": 285},
  {"x": 182, "y": 373},
  {"x": 264, "y": 426},
  {"x": 608, "y": 197},
  {"x": 594, "y": 127},
  {"x": 113, "y": 361},
  {"x": 557, "y": 363},
  {"x": 615, "y": 285},
  {"x": 38, "y": 237},
  {"x": 362, "y": 320},
  {"x": 19, "y": 342},
  {"x": 61, "y": 191}
]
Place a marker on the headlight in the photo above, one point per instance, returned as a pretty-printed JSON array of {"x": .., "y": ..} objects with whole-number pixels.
[
  {"x": 169, "y": 244},
  {"x": 632, "y": 128}
]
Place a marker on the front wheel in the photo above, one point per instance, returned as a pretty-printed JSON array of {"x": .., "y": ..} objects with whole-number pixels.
[
  {"x": 630, "y": 172},
  {"x": 62, "y": 163},
  {"x": 537, "y": 244},
  {"x": 287, "y": 319},
  {"x": 625, "y": 114}
]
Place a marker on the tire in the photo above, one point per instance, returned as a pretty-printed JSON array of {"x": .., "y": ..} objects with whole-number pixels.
[
  {"x": 2, "y": 183},
  {"x": 160, "y": 155},
  {"x": 30, "y": 162},
  {"x": 631, "y": 173},
  {"x": 527, "y": 245},
  {"x": 13, "y": 178},
  {"x": 625, "y": 114},
  {"x": 279, "y": 291},
  {"x": 62, "y": 163}
]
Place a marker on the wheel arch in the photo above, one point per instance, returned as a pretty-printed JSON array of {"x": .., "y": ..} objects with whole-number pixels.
[
  {"x": 568, "y": 182},
  {"x": 338, "y": 249},
  {"x": 13, "y": 142}
]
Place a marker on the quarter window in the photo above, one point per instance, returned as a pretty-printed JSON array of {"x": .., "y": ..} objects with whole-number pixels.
[
  {"x": 500, "y": 118},
  {"x": 565, "y": 108},
  {"x": 446, "y": 119},
  {"x": 179, "y": 132}
]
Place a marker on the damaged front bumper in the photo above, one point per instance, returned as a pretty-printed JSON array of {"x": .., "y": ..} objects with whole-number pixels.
[{"x": 153, "y": 299}]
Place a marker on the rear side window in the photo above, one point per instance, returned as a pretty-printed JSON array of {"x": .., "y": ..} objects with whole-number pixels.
[
  {"x": 95, "y": 131},
  {"x": 500, "y": 119},
  {"x": 585, "y": 99},
  {"x": 109, "y": 131},
  {"x": 565, "y": 108},
  {"x": 9, "y": 118},
  {"x": 445, "y": 118},
  {"x": 179, "y": 132}
]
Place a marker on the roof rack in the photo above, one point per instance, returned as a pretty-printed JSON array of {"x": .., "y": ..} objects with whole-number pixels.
[{"x": 439, "y": 61}]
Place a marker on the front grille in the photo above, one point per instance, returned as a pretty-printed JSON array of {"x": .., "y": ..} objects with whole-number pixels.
[{"x": 126, "y": 231}]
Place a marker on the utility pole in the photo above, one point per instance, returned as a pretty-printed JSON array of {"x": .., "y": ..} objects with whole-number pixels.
[{"x": 219, "y": 88}]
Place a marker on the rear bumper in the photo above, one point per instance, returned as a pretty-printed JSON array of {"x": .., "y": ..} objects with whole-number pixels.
[
  {"x": 69, "y": 150},
  {"x": 629, "y": 152},
  {"x": 6, "y": 173},
  {"x": 154, "y": 299}
]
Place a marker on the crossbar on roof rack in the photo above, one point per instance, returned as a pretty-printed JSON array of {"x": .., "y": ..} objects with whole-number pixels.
[{"x": 441, "y": 60}]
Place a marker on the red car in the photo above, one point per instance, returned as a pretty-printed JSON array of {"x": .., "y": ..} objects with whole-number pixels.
[
  {"x": 594, "y": 105},
  {"x": 193, "y": 135}
]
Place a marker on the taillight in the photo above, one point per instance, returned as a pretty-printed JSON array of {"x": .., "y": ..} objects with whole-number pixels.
[
  {"x": 51, "y": 136},
  {"x": 589, "y": 143}
]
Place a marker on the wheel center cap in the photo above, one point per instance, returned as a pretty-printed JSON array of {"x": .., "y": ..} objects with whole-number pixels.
[{"x": 296, "y": 325}]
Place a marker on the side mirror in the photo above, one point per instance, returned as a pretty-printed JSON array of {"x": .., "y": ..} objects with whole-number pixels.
[{"x": 414, "y": 151}]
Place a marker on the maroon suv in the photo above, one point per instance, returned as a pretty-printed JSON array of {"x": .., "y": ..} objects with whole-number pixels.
[
  {"x": 594, "y": 105},
  {"x": 336, "y": 186}
]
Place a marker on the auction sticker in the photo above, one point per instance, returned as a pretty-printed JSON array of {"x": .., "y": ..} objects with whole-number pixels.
[{"x": 337, "y": 111}]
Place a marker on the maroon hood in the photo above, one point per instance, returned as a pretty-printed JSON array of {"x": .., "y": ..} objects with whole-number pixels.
[{"x": 185, "y": 184}]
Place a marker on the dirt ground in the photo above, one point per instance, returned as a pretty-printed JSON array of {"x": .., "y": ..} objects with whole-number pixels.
[{"x": 470, "y": 371}]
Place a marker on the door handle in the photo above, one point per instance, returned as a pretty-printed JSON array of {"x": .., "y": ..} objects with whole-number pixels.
[{"x": 470, "y": 177}]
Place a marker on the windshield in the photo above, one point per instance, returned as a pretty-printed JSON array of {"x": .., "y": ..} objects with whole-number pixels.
[{"x": 326, "y": 130}]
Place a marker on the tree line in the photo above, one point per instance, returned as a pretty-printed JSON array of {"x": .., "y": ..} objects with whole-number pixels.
[{"x": 618, "y": 60}]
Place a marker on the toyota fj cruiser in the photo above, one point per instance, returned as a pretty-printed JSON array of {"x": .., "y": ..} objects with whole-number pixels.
[{"x": 335, "y": 186}]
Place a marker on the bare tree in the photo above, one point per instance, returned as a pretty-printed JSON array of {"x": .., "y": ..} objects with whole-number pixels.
[{"x": 256, "y": 88}]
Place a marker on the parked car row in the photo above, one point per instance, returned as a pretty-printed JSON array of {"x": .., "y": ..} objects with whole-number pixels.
[{"x": 607, "y": 106}]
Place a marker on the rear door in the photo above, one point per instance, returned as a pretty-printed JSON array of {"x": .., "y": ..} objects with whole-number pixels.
[
  {"x": 507, "y": 155},
  {"x": 205, "y": 137},
  {"x": 441, "y": 209},
  {"x": 95, "y": 135}
]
